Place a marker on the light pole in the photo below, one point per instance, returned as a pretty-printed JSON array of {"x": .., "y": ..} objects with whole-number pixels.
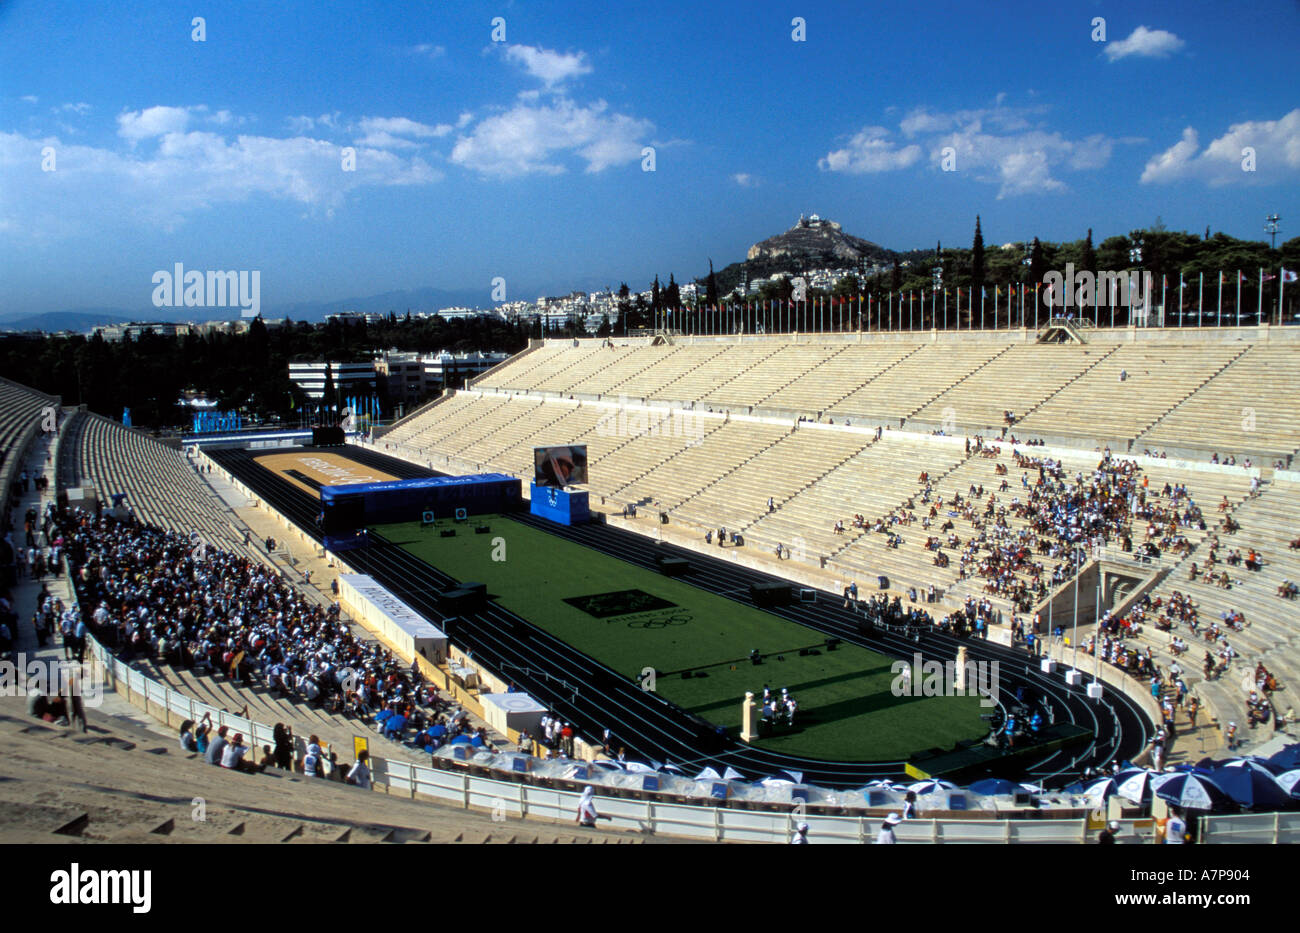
[
  {"x": 1135, "y": 257},
  {"x": 938, "y": 285},
  {"x": 1270, "y": 227}
]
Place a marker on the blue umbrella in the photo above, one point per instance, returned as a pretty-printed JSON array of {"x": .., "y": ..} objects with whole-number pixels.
[
  {"x": 1289, "y": 781},
  {"x": 1193, "y": 791},
  {"x": 461, "y": 740},
  {"x": 1105, "y": 788},
  {"x": 1255, "y": 764},
  {"x": 993, "y": 787},
  {"x": 921, "y": 788},
  {"x": 1134, "y": 784},
  {"x": 1288, "y": 758},
  {"x": 1254, "y": 788}
]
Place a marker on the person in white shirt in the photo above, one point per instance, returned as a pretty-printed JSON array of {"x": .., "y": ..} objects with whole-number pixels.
[
  {"x": 360, "y": 773},
  {"x": 800, "y": 837},
  {"x": 1175, "y": 829},
  {"x": 886, "y": 836},
  {"x": 587, "y": 813},
  {"x": 232, "y": 755}
]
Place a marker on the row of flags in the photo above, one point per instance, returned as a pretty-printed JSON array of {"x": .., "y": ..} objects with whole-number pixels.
[
  {"x": 1128, "y": 290},
  {"x": 364, "y": 406},
  {"x": 1013, "y": 290},
  {"x": 211, "y": 422}
]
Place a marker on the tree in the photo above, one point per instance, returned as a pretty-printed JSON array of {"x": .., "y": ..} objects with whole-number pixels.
[
  {"x": 604, "y": 330},
  {"x": 1088, "y": 258},
  {"x": 711, "y": 288},
  {"x": 656, "y": 301},
  {"x": 1037, "y": 270},
  {"x": 977, "y": 258},
  {"x": 672, "y": 296}
]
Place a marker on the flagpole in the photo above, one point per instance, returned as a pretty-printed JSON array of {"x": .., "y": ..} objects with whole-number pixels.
[
  {"x": 982, "y": 292},
  {"x": 1200, "y": 298},
  {"x": 1238, "y": 297},
  {"x": 1259, "y": 306},
  {"x": 1281, "y": 291},
  {"x": 1218, "y": 315}
]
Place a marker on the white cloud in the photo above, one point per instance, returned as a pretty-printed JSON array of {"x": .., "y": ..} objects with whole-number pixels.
[
  {"x": 550, "y": 67},
  {"x": 531, "y": 139},
  {"x": 869, "y": 151},
  {"x": 155, "y": 121},
  {"x": 428, "y": 50},
  {"x": 994, "y": 145},
  {"x": 182, "y": 175},
  {"x": 397, "y": 132},
  {"x": 1277, "y": 153},
  {"x": 745, "y": 180},
  {"x": 306, "y": 124},
  {"x": 922, "y": 121},
  {"x": 1145, "y": 43},
  {"x": 80, "y": 109},
  {"x": 30, "y": 98}
]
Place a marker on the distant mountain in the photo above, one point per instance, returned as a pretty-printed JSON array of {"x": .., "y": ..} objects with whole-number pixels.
[
  {"x": 812, "y": 243},
  {"x": 80, "y": 320},
  {"x": 399, "y": 302},
  {"x": 87, "y": 319}
]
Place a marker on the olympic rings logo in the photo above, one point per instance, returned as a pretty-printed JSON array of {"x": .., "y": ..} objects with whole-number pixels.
[{"x": 657, "y": 622}]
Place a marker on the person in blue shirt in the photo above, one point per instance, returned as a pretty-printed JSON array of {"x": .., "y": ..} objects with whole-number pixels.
[
  {"x": 394, "y": 725},
  {"x": 80, "y": 635},
  {"x": 1035, "y": 722},
  {"x": 1009, "y": 730}
]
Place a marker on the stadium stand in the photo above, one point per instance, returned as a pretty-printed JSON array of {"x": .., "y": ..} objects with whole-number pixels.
[
  {"x": 21, "y": 411},
  {"x": 1192, "y": 395},
  {"x": 161, "y": 485},
  {"x": 124, "y": 782},
  {"x": 1247, "y": 408}
]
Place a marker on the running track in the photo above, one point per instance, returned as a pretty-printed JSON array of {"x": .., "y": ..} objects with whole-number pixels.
[{"x": 594, "y": 697}]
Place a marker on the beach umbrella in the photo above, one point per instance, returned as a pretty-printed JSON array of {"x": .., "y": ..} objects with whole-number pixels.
[
  {"x": 1193, "y": 791},
  {"x": 1135, "y": 784},
  {"x": 921, "y": 788},
  {"x": 461, "y": 740},
  {"x": 1254, "y": 764},
  {"x": 605, "y": 765},
  {"x": 638, "y": 767},
  {"x": 784, "y": 777},
  {"x": 1289, "y": 781},
  {"x": 708, "y": 774},
  {"x": 1101, "y": 789},
  {"x": 1032, "y": 788},
  {"x": 671, "y": 767},
  {"x": 1288, "y": 757},
  {"x": 1253, "y": 787},
  {"x": 993, "y": 787},
  {"x": 731, "y": 774}
]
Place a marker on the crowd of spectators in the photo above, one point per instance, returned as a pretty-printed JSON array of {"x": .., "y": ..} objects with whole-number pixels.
[
  {"x": 1024, "y": 540},
  {"x": 177, "y": 601}
]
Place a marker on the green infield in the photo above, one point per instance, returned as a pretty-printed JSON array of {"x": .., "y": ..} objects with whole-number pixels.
[{"x": 629, "y": 619}]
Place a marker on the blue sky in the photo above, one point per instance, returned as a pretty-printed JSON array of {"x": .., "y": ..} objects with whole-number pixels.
[{"x": 523, "y": 158}]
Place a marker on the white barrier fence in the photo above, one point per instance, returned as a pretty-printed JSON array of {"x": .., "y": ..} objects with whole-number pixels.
[{"x": 515, "y": 800}]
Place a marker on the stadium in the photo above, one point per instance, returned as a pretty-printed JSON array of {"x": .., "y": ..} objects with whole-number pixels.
[
  {"x": 726, "y": 493},
  {"x": 677, "y": 425}
]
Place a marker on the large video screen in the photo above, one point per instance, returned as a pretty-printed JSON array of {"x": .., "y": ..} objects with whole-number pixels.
[{"x": 560, "y": 466}]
